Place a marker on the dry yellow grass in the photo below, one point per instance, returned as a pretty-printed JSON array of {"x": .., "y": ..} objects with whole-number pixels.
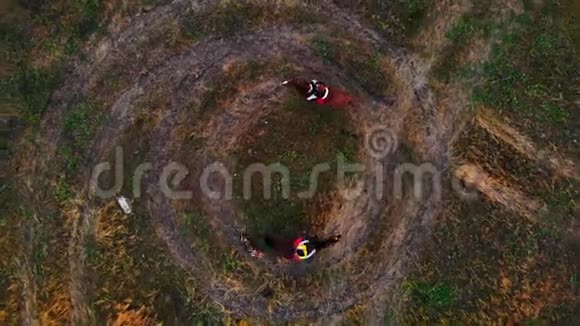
[
  {"x": 111, "y": 230},
  {"x": 9, "y": 316},
  {"x": 499, "y": 191},
  {"x": 132, "y": 317},
  {"x": 113, "y": 262},
  {"x": 432, "y": 39},
  {"x": 516, "y": 276},
  {"x": 58, "y": 310},
  {"x": 9, "y": 248},
  {"x": 487, "y": 120},
  {"x": 356, "y": 315},
  {"x": 523, "y": 293}
]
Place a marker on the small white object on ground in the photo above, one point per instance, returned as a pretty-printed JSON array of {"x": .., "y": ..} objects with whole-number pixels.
[
  {"x": 252, "y": 251},
  {"x": 124, "y": 204},
  {"x": 256, "y": 253}
]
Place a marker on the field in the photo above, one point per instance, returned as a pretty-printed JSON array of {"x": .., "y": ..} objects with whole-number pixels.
[{"x": 464, "y": 130}]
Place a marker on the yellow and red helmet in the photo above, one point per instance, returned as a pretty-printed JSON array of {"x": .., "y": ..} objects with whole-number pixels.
[{"x": 302, "y": 250}]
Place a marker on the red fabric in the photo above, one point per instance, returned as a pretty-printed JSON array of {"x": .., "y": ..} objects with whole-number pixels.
[
  {"x": 297, "y": 242},
  {"x": 281, "y": 247},
  {"x": 285, "y": 248},
  {"x": 338, "y": 99}
]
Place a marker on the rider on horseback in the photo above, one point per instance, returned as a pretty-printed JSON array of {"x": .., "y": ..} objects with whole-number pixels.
[
  {"x": 314, "y": 90},
  {"x": 317, "y": 91},
  {"x": 297, "y": 249}
]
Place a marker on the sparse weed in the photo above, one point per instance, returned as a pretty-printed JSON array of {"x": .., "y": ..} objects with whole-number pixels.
[
  {"x": 369, "y": 74},
  {"x": 80, "y": 123},
  {"x": 133, "y": 268},
  {"x": 365, "y": 68},
  {"x": 294, "y": 148},
  {"x": 434, "y": 296},
  {"x": 233, "y": 18},
  {"x": 467, "y": 27},
  {"x": 38, "y": 68},
  {"x": 400, "y": 18},
  {"x": 63, "y": 191},
  {"x": 324, "y": 48},
  {"x": 79, "y": 126},
  {"x": 29, "y": 90},
  {"x": 528, "y": 73}
]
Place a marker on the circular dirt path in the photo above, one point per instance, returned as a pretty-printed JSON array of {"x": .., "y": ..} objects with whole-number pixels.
[{"x": 391, "y": 229}]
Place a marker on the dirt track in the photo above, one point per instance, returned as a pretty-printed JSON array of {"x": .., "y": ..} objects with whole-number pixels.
[{"x": 183, "y": 77}]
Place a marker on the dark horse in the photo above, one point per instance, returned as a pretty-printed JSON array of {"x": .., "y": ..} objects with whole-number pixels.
[
  {"x": 300, "y": 248},
  {"x": 316, "y": 90}
]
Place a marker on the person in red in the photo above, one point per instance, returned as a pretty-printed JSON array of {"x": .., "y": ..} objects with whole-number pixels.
[
  {"x": 298, "y": 249},
  {"x": 318, "y": 91}
]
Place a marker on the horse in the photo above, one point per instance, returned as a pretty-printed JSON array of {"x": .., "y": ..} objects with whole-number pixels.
[
  {"x": 334, "y": 97},
  {"x": 286, "y": 248}
]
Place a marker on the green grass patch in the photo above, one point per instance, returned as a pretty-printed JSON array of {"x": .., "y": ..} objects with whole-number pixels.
[
  {"x": 195, "y": 227},
  {"x": 80, "y": 123},
  {"x": 485, "y": 258},
  {"x": 227, "y": 84},
  {"x": 29, "y": 90},
  {"x": 132, "y": 266},
  {"x": 90, "y": 18},
  {"x": 223, "y": 20},
  {"x": 562, "y": 208},
  {"x": 530, "y": 73},
  {"x": 63, "y": 191},
  {"x": 364, "y": 67},
  {"x": 433, "y": 296},
  {"x": 469, "y": 26},
  {"x": 276, "y": 216},
  {"x": 37, "y": 63},
  {"x": 324, "y": 48},
  {"x": 232, "y": 18},
  {"x": 400, "y": 19},
  {"x": 369, "y": 73},
  {"x": 299, "y": 148}
]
